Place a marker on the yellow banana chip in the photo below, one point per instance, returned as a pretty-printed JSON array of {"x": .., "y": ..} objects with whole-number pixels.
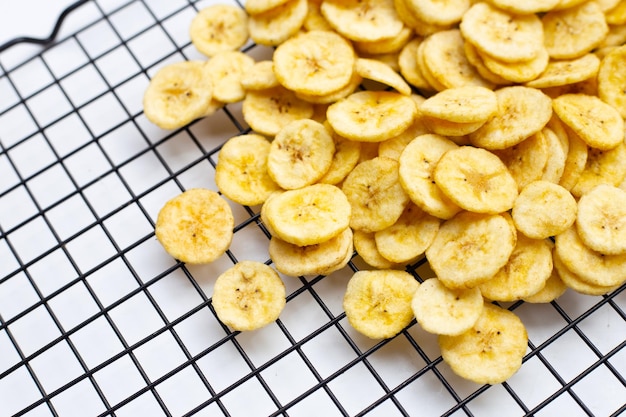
[
  {"x": 407, "y": 61},
  {"x": 476, "y": 180},
  {"x": 567, "y": 71},
  {"x": 219, "y": 28},
  {"x": 527, "y": 160},
  {"x": 378, "y": 303},
  {"x": 363, "y": 20},
  {"x": 470, "y": 248},
  {"x": 276, "y": 25},
  {"x": 612, "y": 80},
  {"x": 525, "y": 7},
  {"x": 268, "y": 111},
  {"x": 248, "y": 296},
  {"x": 501, "y": 34},
  {"x": 543, "y": 209},
  {"x": 602, "y": 167},
  {"x": 375, "y": 194},
  {"x": 196, "y": 226},
  {"x": 575, "y": 282},
  {"x": 241, "y": 170},
  {"x": 378, "y": 71},
  {"x": 438, "y": 12},
  {"x": 554, "y": 288},
  {"x": 468, "y": 104},
  {"x": 316, "y": 62},
  {"x": 226, "y": 70},
  {"x": 300, "y": 154},
  {"x": 525, "y": 274},
  {"x": 260, "y": 76},
  {"x": 372, "y": 116},
  {"x": 178, "y": 94},
  {"x": 601, "y": 219},
  {"x": 365, "y": 246},
  {"x": 564, "y": 43},
  {"x": 491, "y": 351},
  {"x": 522, "y": 112}
]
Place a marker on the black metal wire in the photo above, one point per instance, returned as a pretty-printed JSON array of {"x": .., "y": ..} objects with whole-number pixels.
[
  {"x": 145, "y": 286},
  {"x": 55, "y": 31}
]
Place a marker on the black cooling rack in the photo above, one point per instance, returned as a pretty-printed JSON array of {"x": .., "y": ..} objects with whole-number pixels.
[{"x": 96, "y": 320}]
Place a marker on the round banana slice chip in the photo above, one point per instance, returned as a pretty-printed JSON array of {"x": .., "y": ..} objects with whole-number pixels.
[
  {"x": 522, "y": 112},
  {"x": 226, "y": 70},
  {"x": 612, "y": 79},
  {"x": 317, "y": 259},
  {"x": 602, "y": 167},
  {"x": 518, "y": 72},
  {"x": 438, "y": 12},
  {"x": 557, "y": 155},
  {"x": 407, "y": 61},
  {"x": 219, "y": 28},
  {"x": 375, "y": 195},
  {"x": 196, "y": 226},
  {"x": 345, "y": 158},
  {"x": 372, "y": 116},
  {"x": 591, "y": 266},
  {"x": 527, "y": 160},
  {"x": 378, "y": 303},
  {"x": 543, "y": 209},
  {"x": 440, "y": 310},
  {"x": 259, "y": 6},
  {"x": 468, "y": 104},
  {"x": 597, "y": 123},
  {"x": 491, "y": 351},
  {"x": 567, "y": 71},
  {"x": 601, "y": 219},
  {"x": 576, "y": 283},
  {"x": 300, "y": 154},
  {"x": 178, "y": 94},
  {"x": 526, "y": 272},
  {"x": 308, "y": 215},
  {"x": 417, "y": 164},
  {"x": 316, "y": 62},
  {"x": 476, "y": 180},
  {"x": 576, "y": 160},
  {"x": 248, "y": 296},
  {"x": 409, "y": 237},
  {"x": 241, "y": 170},
  {"x": 501, "y": 34},
  {"x": 470, "y": 248},
  {"x": 275, "y": 26},
  {"x": 363, "y": 20},
  {"x": 260, "y": 76},
  {"x": 564, "y": 43},
  {"x": 268, "y": 111},
  {"x": 443, "y": 54}
]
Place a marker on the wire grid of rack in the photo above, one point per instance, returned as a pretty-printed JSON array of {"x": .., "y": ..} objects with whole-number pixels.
[{"x": 97, "y": 320}]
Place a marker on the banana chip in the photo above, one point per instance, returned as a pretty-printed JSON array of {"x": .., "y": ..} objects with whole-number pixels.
[
  {"x": 375, "y": 70},
  {"x": 438, "y": 12},
  {"x": 196, "y": 226},
  {"x": 575, "y": 282},
  {"x": 308, "y": 215},
  {"x": 599, "y": 124},
  {"x": 575, "y": 161},
  {"x": 440, "y": 310},
  {"x": 316, "y": 62},
  {"x": 525, "y": 274},
  {"x": 178, "y": 94},
  {"x": 378, "y": 303},
  {"x": 543, "y": 209},
  {"x": 566, "y": 71},
  {"x": 259, "y": 6},
  {"x": 248, "y": 296},
  {"x": 612, "y": 79},
  {"x": 476, "y": 180},
  {"x": 554, "y": 288},
  {"x": 602, "y": 167},
  {"x": 260, "y": 76},
  {"x": 518, "y": 72},
  {"x": 300, "y": 154},
  {"x": 501, "y": 34},
  {"x": 365, "y": 246},
  {"x": 525, "y": 7},
  {"x": 276, "y": 25},
  {"x": 268, "y": 111},
  {"x": 363, "y": 20},
  {"x": 592, "y": 267},
  {"x": 417, "y": 164},
  {"x": 226, "y": 70},
  {"x": 407, "y": 61},
  {"x": 522, "y": 112},
  {"x": 372, "y": 116},
  {"x": 470, "y": 248},
  {"x": 601, "y": 219},
  {"x": 468, "y": 104},
  {"x": 241, "y": 170},
  {"x": 317, "y": 259},
  {"x": 409, "y": 237},
  {"x": 527, "y": 160},
  {"x": 491, "y": 351},
  {"x": 564, "y": 43},
  {"x": 219, "y": 28},
  {"x": 375, "y": 194}
]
